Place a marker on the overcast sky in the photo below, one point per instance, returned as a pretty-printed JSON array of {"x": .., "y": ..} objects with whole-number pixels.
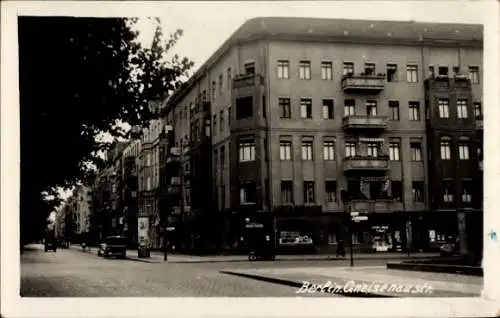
[{"x": 207, "y": 25}]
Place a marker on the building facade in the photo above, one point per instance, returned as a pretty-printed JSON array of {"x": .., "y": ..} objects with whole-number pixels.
[
  {"x": 293, "y": 111},
  {"x": 148, "y": 178}
]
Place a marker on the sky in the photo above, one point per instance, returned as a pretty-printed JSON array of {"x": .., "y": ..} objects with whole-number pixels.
[{"x": 208, "y": 24}]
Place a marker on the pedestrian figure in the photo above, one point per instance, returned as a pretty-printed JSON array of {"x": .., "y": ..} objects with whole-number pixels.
[{"x": 340, "y": 248}]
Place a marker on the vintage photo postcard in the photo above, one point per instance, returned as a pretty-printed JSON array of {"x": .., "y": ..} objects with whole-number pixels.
[{"x": 250, "y": 159}]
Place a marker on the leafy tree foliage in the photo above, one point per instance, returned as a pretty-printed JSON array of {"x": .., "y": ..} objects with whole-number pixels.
[{"x": 79, "y": 77}]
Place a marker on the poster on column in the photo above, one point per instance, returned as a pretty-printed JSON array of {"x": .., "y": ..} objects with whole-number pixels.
[{"x": 143, "y": 231}]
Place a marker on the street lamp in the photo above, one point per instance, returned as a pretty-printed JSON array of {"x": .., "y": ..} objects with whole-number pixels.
[{"x": 347, "y": 210}]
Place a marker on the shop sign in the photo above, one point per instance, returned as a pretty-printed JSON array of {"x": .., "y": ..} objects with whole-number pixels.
[
  {"x": 360, "y": 218},
  {"x": 380, "y": 228},
  {"x": 254, "y": 225}
]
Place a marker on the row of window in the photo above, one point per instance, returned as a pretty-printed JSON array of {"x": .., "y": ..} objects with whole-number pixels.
[
  {"x": 284, "y": 105},
  {"x": 369, "y": 69},
  {"x": 444, "y": 109},
  {"x": 370, "y": 190},
  {"x": 246, "y": 150}
]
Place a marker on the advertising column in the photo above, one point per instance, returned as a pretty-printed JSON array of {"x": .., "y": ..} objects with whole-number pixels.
[{"x": 143, "y": 233}]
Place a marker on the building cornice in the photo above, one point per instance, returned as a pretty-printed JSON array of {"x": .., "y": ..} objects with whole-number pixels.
[{"x": 330, "y": 31}]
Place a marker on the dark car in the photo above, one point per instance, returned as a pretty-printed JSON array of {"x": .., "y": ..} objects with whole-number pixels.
[
  {"x": 113, "y": 246},
  {"x": 50, "y": 244}
]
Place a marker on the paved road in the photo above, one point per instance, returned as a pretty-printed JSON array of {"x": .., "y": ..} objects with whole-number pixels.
[{"x": 70, "y": 273}]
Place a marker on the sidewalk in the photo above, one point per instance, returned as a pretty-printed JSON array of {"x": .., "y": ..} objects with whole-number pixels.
[
  {"x": 443, "y": 285},
  {"x": 157, "y": 257}
]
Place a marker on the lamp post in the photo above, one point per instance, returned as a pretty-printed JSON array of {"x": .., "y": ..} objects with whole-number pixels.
[{"x": 347, "y": 208}]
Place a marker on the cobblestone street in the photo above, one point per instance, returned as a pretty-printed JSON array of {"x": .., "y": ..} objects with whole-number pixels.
[{"x": 70, "y": 273}]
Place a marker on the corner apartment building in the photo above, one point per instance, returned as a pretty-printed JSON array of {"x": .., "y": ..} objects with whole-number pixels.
[
  {"x": 295, "y": 110},
  {"x": 148, "y": 177}
]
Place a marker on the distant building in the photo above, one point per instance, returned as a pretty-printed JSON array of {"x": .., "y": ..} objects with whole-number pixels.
[
  {"x": 82, "y": 203},
  {"x": 290, "y": 112}
]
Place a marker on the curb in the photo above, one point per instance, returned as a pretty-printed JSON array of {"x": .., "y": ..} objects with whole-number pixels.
[
  {"x": 438, "y": 268},
  {"x": 296, "y": 284}
]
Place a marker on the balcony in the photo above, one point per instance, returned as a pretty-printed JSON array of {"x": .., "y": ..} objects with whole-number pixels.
[
  {"x": 364, "y": 122},
  {"x": 375, "y": 206},
  {"x": 371, "y": 84},
  {"x": 248, "y": 80},
  {"x": 360, "y": 163},
  {"x": 446, "y": 82}
]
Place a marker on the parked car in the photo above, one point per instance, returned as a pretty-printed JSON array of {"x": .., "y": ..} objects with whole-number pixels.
[
  {"x": 450, "y": 249},
  {"x": 50, "y": 244},
  {"x": 113, "y": 246}
]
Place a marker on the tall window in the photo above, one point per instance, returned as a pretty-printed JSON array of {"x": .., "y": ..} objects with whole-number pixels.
[
  {"x": 305, "y": 70},
  {"x": 416, "y": 151},
  {"x": 328, "y": 150},
  {"x": 229, "y": 113},
  {"x": 326, "y": 70},
  {"x": 327, "y": 108},
  {"x": 348, "y": 68},
  {"x": 229, "y": 77},
  {"x": 250, "y": 68},
  {"x": 307, "y": 150},
  {"x": 222, "y": 156},
  {"x": 463, "y": 151},
  {"x": 285, "y": 110},
  {"x": 331, "y": 191},
  {"x": 372, "y": 150},
  {"x": 392, "y": 72},
  {"x": 417, "y": 189},
  {"x": 214, "y": 90},
  {"x": 474, "y": 74},
  {"x": 371, "y": 108},
  {"x": 447, "y": 192},
  {"x": 221, "y": 83},
  {"x": 306, "y": 108},
  {"x": 394, "y": 150},
  {"x": 244, "y": 107},
  {"x": 462, "y": 108},
  {"x": 283, "y": 69},
  {"x": 349, "y": 107},
  {"x": 222, "y": 121},
  {"x": 414, "y": 111},
  {"x": 444, "y": 109},
  {"x": 466, "y": 191},
  {"x": 350, "y": 149},
  {"x": 246, "y": 150},
  {"x": 216, "y": 159},
  {"x": 285, "y": 150},
  {"x": 394, "y": 108},
  {"x": 286, "y": 192},
  {"x": 412, "y": 73},
  {"x": 369, "y": 69},
  {"x": 397, "y": 190},
  {"x": 308, "y": 191},
  {"x": 445, "y": 150},
  {"x": 214, "y": 122},
  {"x": 478, "y": 112},
  {"x": 248, "y": 192}
]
